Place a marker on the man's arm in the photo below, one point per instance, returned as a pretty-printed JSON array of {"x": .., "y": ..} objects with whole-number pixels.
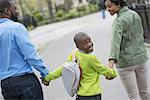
[{"x": 28, "y": 50}]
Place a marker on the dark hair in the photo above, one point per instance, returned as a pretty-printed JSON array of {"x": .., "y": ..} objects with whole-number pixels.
[
  {"x": 78, "y": 36},
  {"x": 4, "y": 4},
  {"x": 118, "y": 2}
]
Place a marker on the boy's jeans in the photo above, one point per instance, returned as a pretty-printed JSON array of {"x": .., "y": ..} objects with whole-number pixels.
[
  {"x": 24, "y": 87},
  {"x": 134, "y": 79},
  {"x": 96, "y": 97}
]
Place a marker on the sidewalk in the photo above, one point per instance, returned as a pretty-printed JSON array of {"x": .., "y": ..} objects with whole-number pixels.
[{"x": 147, "y": 45}]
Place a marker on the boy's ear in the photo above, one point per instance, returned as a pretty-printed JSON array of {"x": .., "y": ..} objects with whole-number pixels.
[
  {"x": 7, "y": 11},
  {"x": 77, "y": 46}
]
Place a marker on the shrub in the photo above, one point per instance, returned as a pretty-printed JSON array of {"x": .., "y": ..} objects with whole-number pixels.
[
  {"x": 38, "y": 17},
  {"x": 60, "y": 13},
  {"x": 72, "y": 14},
  {"x": 93, "y": 7},
  {"x": 81, "y": 8}
]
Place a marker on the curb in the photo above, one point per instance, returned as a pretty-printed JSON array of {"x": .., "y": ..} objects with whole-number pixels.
[{"x": 147, "y": 45}]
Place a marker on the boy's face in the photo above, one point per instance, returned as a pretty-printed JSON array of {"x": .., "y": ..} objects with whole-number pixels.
[{"x": 85, "y": 44}]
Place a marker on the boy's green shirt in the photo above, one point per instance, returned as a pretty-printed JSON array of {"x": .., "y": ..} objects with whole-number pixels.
[{"x": 91, "y": 68}]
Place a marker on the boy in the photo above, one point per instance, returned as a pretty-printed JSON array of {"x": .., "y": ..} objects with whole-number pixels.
[{"x": 89, "y": 88}]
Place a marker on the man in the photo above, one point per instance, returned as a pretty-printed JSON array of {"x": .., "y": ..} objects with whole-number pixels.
[
  {"x": 17, "y": 56},
  {"x": 102, "y": 8}
]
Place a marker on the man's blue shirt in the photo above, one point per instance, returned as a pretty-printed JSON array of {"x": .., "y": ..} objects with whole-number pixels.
[{"x": 17, "y": 53}]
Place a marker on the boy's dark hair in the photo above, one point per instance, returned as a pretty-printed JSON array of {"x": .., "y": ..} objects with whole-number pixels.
[
  {"x": 78, "y": 36},
  {"x": 122, "y": 3},
  {"x": 4, "y": 4}
]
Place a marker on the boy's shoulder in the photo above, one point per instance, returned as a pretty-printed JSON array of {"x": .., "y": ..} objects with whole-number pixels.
[
  {"x": 89, "y": 56},
  {"x": 79, "y": 54}
]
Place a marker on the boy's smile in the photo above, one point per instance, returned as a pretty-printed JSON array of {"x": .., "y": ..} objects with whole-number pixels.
[{"x": 85, "y": 44}]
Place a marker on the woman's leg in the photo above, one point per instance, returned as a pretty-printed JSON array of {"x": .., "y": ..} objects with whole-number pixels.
[
  {"x": 141, "y": 74},
  {"x": 128, "y": 78}
]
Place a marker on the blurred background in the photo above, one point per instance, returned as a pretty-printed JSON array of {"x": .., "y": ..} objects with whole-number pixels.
[
  {"x": 143, "y": 8},
  {"x": 40, "y": 12}
]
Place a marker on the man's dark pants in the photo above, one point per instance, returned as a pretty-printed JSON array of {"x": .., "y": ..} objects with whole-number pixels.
[{"x": 24, "y": 87}]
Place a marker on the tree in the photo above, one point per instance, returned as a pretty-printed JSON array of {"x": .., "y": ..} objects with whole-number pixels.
[
  {"x": 68, "y": 4},
  {"x": 50, "y": 9}
]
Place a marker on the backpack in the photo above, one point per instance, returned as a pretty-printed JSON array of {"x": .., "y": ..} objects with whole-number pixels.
[{"x": 71, "y": 73}]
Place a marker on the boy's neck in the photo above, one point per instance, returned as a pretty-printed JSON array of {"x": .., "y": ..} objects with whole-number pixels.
[{"x": 84, "y": 51}]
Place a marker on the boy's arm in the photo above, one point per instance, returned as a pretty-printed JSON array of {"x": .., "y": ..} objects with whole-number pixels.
[
  {"x": 102, "y": 69},
  {"x": 55, "y": 74}
]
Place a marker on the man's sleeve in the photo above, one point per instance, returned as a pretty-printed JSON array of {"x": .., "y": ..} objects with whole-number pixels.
[{"x": 28, "y": 51}]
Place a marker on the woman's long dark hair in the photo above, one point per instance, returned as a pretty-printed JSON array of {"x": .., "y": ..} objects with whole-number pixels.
[{"x": 118, "y": 2}]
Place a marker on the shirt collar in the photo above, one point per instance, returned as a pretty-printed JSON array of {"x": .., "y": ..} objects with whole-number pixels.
[
  {"x": 84, "y": 51},
  {"x": 122, "y": 10},
  {"x": 2, "y": 20}
]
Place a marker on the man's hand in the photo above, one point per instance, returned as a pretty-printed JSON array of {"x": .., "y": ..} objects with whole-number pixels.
[{"x": 45, "y": 82}]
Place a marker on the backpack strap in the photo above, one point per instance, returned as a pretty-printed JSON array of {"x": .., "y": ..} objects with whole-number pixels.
[{"x": 74, "y": 59}]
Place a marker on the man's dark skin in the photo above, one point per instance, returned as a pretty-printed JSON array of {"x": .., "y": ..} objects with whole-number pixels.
[{"x": 9, "y": 11}]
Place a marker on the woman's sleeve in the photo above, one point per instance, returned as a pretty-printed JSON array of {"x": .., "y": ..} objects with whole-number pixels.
[{"x": 117, "y": 32}]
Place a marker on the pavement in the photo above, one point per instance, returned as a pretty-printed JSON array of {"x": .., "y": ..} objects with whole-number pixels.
[
  {"x": 43, "y": 35},
  {"x": 147, "y": 45}
]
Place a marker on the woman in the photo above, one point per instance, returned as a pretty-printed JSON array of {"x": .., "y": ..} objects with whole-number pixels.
[{"x": 128, "y": 50}]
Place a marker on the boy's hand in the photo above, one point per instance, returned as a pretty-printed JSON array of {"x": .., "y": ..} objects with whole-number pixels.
[
  {"x": 108, "y": 78},
  {"x": 45, "y": 82}
]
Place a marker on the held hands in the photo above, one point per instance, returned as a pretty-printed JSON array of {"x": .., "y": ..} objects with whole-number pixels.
[
  {"x": 46, "y": 80},
  {"x": 46, "y": 83},
  {"x": 111, "y": 65},
  {"x": 109, "y": 78}
]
